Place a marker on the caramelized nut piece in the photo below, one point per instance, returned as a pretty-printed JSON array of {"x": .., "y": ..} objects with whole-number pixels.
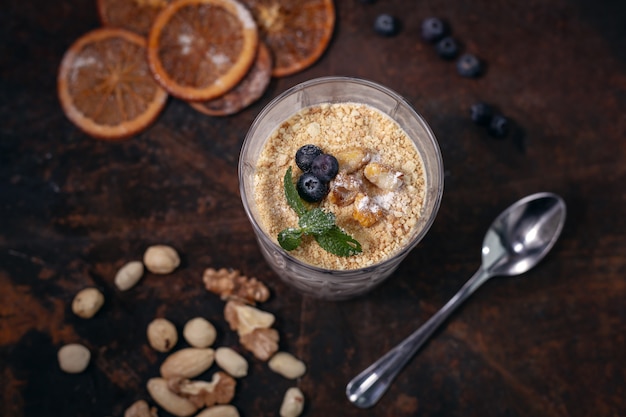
[
  {"x": 73, "y": 358},
  {"x": 366, "y": 211},
  {"x": 383, "y": 176},
  {"x": 263, "y": 343},
  {"x": 231, "y": 361},
  {"x": 344, "y": 188},
  {"x": 87, "y": 302},
  {"x": 352, "y": 159},
  {"x": 199, "y": 332},
  {"x": 219, "y": 411}
]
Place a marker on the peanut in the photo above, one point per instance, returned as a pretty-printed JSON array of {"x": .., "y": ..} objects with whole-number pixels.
[
  {"x": 161, "y": 259},
  {"x": 293, "y": 403},
  {"x": 219, "y": 411},
  {"x": 172, "y": 403},
  {"x": 199, "y": 332},
  {"x": 162, "y": 335},
  {"x": 232, "y": 362},
  {"x": 73, "y": 358},
  {"x": 187, "y": 363},
  {"x": 287, "y": 365},
  {"x": 140, "y": 408},
  {"x": 128, "y": 275},
  {"x": 87, "y": 302}
]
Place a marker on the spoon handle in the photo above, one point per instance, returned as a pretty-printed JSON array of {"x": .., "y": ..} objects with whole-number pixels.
[{"x": 365, "y": 389}]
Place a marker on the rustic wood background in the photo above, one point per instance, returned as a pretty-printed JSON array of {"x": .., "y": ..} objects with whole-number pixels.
[{"x": 74, "y": 209}]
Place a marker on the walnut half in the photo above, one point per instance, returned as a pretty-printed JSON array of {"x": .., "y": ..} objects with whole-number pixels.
[
  {"x": 230, "y": 284},
  {"x": 220, "y": 390}
]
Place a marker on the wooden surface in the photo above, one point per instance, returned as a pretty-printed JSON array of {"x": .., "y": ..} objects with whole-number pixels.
[{"x": 74, "y": 209}]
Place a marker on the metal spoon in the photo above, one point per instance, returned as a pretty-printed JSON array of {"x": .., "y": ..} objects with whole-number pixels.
[{"x": 517, "y": 239}]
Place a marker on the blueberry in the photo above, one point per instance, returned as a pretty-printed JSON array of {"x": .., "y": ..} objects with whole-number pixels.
[
  {"x": 469, "y": 66},
  {"x": 325, "y": 167},
  {"x": 305, "y": 156},
  {"x": 447, "y": 48},
  {"x": 481, "y": 113},
  {"x": 499, "y": 126},
  {"x": 386, "y": 25},
  {"x": 310, "y": 188},
  {"x": 433, "y": 29}
]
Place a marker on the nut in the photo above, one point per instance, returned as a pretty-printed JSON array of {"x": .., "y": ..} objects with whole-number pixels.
[
  {"x": 352, "y": 159},
  {"x": 383, "y": 176},
  {"x": 187, "y": 363},
  {"x": 344, "y": 188},
  {"x": 128, "y": 275},
  {"x": 244, "y": 318},
  {"x": 171, "y": 402},
  {"x": 230, "y": 284},
  {"x": 220, "y": 390},
  {"x": 293, "y": 403},
  {"x": 161, "y": 259},
  {"x": 366, "y": 211},
  {"x": 219, "y": 411},
  {"x": 140, "y": 408},
  {"x": 199, "y": 332},
  {"x": 73, "y": 358},
  {"x": 287, "y": 365},
  {"x": 162, "y": 335},
  {"x": 231, "y": 361},
  {"x": 87, "y": 302},
  {"x": 263, "y": 343}
]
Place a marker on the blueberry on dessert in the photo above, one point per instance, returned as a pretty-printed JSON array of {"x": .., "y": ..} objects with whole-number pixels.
[
  {"x": 499, "y": 126},
  {"x": 325, "y": 167},
  {"x": 311, "y": 188},
  {"x": 305, "y": 156}
]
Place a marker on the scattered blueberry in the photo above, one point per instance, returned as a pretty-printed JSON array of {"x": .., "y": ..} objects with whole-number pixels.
[
  {"x": 447, "y": 48},
  {"x": 325, "y": 167},
  {"x": 433, "y": 29},
  {"x": 310, "y": 188},
  {"x": 386, "y": 25},
  {"x": 481, "y": 113},
  {"x": 499, "y": 126},
  {"x": 469, "y": 65},
  {"x": 305, "y": 156}
]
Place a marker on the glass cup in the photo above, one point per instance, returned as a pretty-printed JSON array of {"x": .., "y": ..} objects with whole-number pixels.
[{"x": 310, "y": 279}]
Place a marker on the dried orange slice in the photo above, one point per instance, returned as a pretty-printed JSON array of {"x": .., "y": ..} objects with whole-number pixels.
[
  {"x": 134, "y": 15},
  {"x": 249, "y": 90},
  {"x": 105, "y": 86},
  {"x": 296, "y": 31},
  {"x": 200, "y": 49}
]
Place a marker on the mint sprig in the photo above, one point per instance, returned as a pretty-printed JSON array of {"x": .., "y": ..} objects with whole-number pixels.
[{"x": 317, "y": 223}]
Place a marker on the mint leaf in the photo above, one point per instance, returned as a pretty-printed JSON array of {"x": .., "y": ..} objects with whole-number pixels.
[
  {"x": 339, "y": 243},
  {"x": 291, "y": 193},
  {"x": 316, "y": 221},
  {"x": 290, "y": 238}
]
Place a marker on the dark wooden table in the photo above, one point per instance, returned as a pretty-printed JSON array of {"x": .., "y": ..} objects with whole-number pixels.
[{"x": 74, "y": 209}]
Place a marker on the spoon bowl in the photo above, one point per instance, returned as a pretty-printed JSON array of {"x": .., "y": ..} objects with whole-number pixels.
[{"x": 514, "y": 243}]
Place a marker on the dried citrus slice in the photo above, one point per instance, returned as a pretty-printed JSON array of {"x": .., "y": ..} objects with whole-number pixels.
[
  {"x": 134, "y": 15},
  {"x": 296, "y": 31},
  {"x": 249, "y": 90},
  {"x": 200, "y": 49},
  {"x": 105, "y": 86}
]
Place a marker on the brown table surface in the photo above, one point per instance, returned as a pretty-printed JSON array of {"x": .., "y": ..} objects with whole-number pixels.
[{"x": 74, "y": 209}]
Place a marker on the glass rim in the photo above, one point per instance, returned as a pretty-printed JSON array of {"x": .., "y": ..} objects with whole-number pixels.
[{"x": 260, "y": 233}]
